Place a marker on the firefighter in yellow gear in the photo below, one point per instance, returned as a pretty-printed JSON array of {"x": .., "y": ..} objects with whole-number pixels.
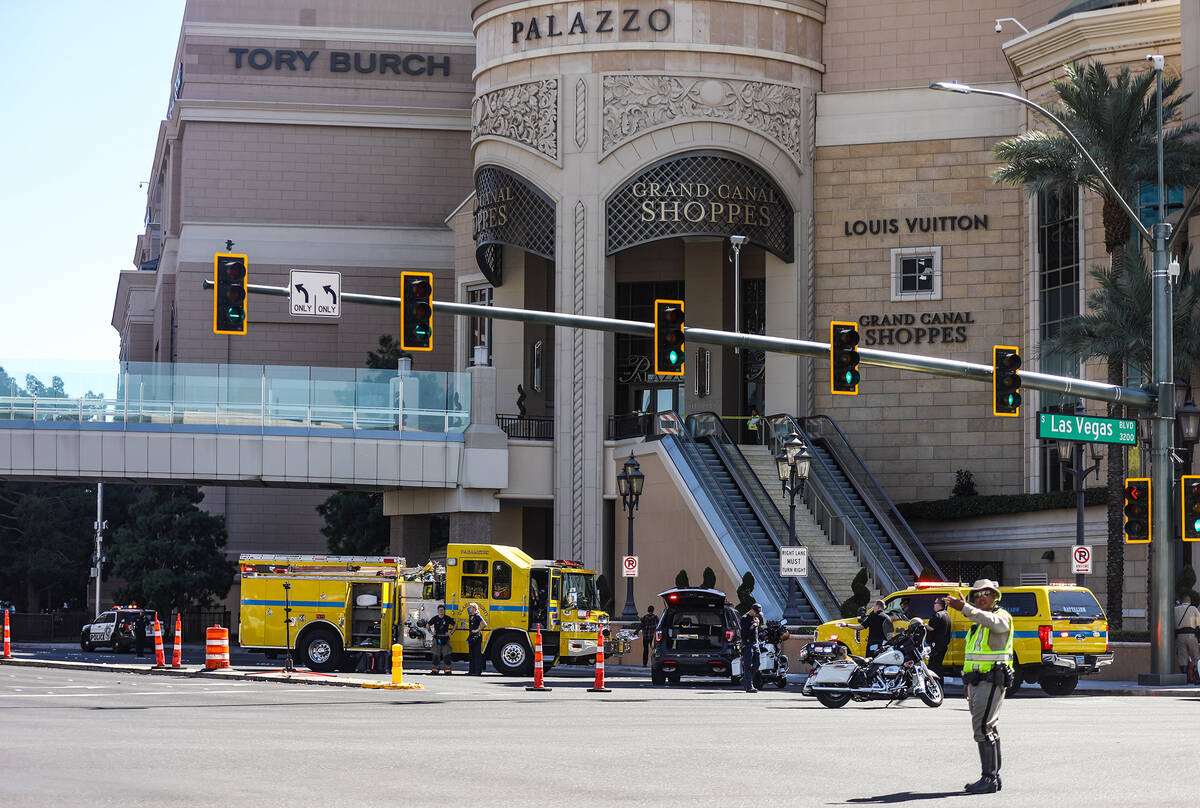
[{"x": 987, "y": 673}]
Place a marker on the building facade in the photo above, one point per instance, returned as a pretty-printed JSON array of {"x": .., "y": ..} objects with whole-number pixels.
[{"x": 590, "y": 157}]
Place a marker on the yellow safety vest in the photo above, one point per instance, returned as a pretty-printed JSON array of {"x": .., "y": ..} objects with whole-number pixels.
[{"x": 979, "y": 656}]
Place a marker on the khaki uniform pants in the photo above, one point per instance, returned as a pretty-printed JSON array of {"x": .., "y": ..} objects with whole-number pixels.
[
  {"x": 1187, "y": 649},
  {"x": 985, "y": 700}
]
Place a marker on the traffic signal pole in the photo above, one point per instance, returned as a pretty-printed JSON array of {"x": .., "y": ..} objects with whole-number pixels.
[{"x": 936, "y": 366}]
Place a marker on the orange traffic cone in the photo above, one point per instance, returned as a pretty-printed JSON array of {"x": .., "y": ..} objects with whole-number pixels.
[
  {"x": 177, "y": 651},
  {"x": 7, "y": 638},
  {"x": 160, "y": 659},
  {"x": 599, "y": 686},
  {"x": 537, "y": 663}
]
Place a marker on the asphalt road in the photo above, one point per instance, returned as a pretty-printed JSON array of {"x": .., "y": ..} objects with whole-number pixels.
[{"x": 101, "y": 738}]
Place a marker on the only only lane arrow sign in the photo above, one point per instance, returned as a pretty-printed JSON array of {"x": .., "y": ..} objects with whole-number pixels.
[{"x": 315, "y": 294}]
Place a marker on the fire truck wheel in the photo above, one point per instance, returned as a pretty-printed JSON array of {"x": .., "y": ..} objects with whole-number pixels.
[
  {"x": 511, "y": 655},
  {"x": 320, "y": 650}
]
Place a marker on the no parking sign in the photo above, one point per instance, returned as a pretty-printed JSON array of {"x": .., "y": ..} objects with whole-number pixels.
[
  {"x": 1081, "y": 560},
  {"x": 629, "y": 566}
]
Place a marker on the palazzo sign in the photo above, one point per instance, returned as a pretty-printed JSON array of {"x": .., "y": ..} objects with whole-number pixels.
[
  {"x": 509, "y": 210},
  {"x": 600, "y": 21},
  {"x": 701, "y": 193}
]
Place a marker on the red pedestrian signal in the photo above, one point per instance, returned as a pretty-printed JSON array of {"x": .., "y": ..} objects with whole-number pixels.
[
  {"x": 1189, "y": 494},
  {"x": 416, "y": 311},
  {"x": 229, "y": 293},
  {"x": 1137, "y": 510}
]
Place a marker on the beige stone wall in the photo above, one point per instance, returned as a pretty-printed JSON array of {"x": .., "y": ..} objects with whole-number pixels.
[
  {"x": 326, "y": 175},
  {"x": 931, "y": 426},
  {"x": 871, "y": 45}
]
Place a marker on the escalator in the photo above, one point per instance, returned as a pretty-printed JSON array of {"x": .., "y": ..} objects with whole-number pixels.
[
  {"x": 851, "y": 504},
  {"x": 746, "y": 519}
]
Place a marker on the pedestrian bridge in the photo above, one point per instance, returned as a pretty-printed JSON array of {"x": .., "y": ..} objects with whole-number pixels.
[{"x": 258, "y": 425}]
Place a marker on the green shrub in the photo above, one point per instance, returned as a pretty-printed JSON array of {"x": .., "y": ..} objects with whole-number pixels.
[
  {"x": 966, "y": 507},
  {"x": 859, "y": 596},
  {"x": 745, "y": 593},
  {"x": 709, "y": 579},
  {"x": 681, "y": 580}
]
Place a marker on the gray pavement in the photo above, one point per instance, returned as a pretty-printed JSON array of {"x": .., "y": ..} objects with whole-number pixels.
[{"x": 115, "y": 737}]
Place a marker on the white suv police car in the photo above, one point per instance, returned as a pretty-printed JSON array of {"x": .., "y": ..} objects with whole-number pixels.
[{"x": 115, "y": 627}]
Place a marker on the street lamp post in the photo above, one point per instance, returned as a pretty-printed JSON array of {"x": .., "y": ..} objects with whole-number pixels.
[
  {"x": 792, "y": 462},
  {"x": 1160, "y": 239},
  {"x": 629, "y": 484},
  {"x": 1070, "y": 453}
]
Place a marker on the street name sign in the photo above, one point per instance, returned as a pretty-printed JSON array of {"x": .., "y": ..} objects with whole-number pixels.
[
  {"x": 1081, "y": 560},
  {"x": 629, "y": 566},
  {"x": 1054, "y": 426},
  {"x": 315, "y": 294},
  {"x": 793, "y": 562}
]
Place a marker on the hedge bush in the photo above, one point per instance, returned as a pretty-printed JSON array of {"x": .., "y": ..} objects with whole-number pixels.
[{"x": 937, "y": 510}]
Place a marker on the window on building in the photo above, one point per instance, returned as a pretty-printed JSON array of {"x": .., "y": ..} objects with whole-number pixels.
[
  {"x": 479, "y": 329},
  {"x": 1058, "y": 257},
  {"x": 916, "y": 273},
  {"x": 1147, "y": 197}
]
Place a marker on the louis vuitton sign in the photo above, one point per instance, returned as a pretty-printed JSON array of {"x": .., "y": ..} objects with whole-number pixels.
[{"x": 700, "y": 193}]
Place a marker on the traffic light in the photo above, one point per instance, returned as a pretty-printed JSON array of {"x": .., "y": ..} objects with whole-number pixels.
[
  {"x": 1189, "y": 485},
  {"x": 229, "y": 293},
  {"x": 1137, "y": 510},
  {"x": 843, "y": 359},
  {"x": 416, "y": 311},
  {"x": 668, "y": 337},
  {"x": 1006, "y": 381}
]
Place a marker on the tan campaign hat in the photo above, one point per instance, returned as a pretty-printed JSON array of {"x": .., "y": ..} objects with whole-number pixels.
[{"x": 985, "y": 583}]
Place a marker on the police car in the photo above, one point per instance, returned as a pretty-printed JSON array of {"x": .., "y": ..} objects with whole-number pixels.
[{"x": 115, "y": 628}]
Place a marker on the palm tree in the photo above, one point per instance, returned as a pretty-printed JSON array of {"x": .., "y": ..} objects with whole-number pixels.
[
  {"x": 1118, "y": 327},
  {"x": 1115, "y": 118}
]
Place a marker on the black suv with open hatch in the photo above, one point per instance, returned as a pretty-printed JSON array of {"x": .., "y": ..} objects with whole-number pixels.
[{"x": 698, "y": 635}]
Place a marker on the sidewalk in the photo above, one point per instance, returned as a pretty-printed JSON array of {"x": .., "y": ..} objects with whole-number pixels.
[{"x": 422, "y": 676}]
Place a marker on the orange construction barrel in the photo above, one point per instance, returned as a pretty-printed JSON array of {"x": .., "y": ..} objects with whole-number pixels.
[{"x": 216, "y": 648}]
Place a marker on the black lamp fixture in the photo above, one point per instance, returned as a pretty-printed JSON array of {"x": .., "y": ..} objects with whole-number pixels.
[
  {"x": 1048, "y": 555},
  {"x": 1188, "y": 417},
  {"x": 629, "y": 485}
]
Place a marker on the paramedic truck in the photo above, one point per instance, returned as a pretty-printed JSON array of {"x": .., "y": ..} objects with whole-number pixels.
[
  {"x": 342, "y": 606},
  {"x": 330, "y": 609}
]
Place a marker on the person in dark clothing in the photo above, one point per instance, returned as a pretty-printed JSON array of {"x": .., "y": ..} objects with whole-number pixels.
[
  {"x": 877, "y": 624},
  {"x": 751, "y": 622},
  {"x": 649, "y": 623},
  {"x": 440, "y": 627},
  {"x": 139, "y": 634},
  {"x": 939, "y": 636},
  {"x": 476, "y": 625}
]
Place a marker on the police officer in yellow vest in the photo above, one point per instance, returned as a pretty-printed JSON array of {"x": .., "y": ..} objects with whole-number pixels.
[{"x": 987, "y": 673}]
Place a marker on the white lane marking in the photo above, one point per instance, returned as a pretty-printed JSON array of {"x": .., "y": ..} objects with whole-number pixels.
[{"x": 138, "y": 693}]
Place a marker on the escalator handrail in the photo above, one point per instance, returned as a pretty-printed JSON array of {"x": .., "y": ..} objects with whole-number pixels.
[
  {"x": 885, "y": 510},
  {"x": 726, "y": 510},
  {"x": 823, "y": 601},
  {"x": 868, "y": 546}
]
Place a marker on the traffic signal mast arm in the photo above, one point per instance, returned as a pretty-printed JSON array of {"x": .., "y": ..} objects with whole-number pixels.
[{"x": 953, "y": 368}]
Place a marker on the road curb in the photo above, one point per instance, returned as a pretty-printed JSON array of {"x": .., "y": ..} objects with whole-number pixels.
[{"x": 200, "y": 673}]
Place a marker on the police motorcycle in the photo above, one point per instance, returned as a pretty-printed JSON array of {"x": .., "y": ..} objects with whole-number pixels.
[
  {"x": 896, "y": 672},
  {"x": 772, "y": 662}
]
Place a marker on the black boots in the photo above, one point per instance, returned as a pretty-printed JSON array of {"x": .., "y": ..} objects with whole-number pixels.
[{"x": 989, "y": 762}]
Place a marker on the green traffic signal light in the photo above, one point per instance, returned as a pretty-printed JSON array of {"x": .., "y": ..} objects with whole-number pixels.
[
  {"x": 1006, "y": 381},
  {"x": 669, "y": 349},
  {"x": 843, "y": 358}
]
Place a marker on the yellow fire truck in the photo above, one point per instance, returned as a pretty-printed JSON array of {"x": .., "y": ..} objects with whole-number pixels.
[
  {"x": 516, "y": 594},
  {"x": 344, "y": 605},
  {"x": 330, "y": 608}
]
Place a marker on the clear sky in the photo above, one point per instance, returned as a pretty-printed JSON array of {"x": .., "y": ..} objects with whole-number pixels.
[{"x": 83, "y": 87}]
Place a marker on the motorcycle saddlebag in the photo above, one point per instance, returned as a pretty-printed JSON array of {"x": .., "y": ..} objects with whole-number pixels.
[{"x": 834, "y": 673}]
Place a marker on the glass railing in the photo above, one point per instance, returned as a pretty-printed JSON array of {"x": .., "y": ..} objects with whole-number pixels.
[{"x": 232, "y": 396}]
